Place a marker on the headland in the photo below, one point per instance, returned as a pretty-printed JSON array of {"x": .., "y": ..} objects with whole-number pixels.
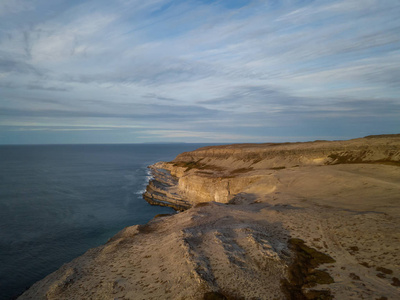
[{"x": 316, "y": 220}]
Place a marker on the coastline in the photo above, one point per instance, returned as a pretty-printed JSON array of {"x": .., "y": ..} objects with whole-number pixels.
[{"x": 274, "y": 221}]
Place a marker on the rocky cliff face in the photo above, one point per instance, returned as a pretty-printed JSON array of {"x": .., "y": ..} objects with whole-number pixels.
[
  {"x": 314, "y": 220},
  {"x": 162, "y": 189},
  {"x": 171, "y": 186},
  {"x": 220, "y": 173}
]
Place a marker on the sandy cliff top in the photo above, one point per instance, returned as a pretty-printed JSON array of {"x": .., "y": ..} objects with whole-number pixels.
[
  {"x": 318, "y": 220},
  {"x": 383, "y": 148}
]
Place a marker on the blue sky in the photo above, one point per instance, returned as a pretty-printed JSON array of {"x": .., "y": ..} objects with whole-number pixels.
[{"x": 130, "y": 71}]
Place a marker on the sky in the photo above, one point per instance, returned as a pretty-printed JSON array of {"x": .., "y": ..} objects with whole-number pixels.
[{"x": 224, "y": 71}]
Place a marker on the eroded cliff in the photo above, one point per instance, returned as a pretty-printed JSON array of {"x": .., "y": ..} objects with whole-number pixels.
[
  {"x": 220, "y": 173},
  {"x": 314, "y": 220}
]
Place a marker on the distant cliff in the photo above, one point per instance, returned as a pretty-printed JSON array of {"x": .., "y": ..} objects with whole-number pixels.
[{"x": 219, "y": 173}]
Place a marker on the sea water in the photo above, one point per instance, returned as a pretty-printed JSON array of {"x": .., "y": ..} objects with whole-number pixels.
[{"x": 57, "y": 201}]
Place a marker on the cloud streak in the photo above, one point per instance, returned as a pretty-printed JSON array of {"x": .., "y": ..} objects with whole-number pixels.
[{"x": 201, "y": 70}]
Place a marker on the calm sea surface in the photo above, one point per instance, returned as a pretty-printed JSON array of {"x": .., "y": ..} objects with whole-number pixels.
[{"x": 57, "y": 201}]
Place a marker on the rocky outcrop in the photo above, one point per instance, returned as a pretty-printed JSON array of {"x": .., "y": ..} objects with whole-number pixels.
[
  {"x": 221, "y": 173},
  {"x": 314, "y": 220},
  {"x": 207, "y": 250},
  {"x": 167, "y": 189},
  {"x": 162, "y": 189}
]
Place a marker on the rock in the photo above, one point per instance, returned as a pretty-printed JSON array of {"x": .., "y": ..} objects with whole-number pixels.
[
  {"x": 220, "y": 173},
  {"x": 316, "y": 220}
]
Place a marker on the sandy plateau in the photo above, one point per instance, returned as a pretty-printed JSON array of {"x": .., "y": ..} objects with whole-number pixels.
[{"x": 318, "y": 220}]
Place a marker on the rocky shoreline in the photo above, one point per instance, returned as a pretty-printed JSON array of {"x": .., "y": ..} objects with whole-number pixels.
[
  {"x": 221, "y": 173},
  {"x": 318, "y": 220},
  {"x": 160, "y": 190}
]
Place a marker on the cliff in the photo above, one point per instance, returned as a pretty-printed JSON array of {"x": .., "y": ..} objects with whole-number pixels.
[
  {"x": 220, "y": 173},
  {"x": 318, "y": 220}
]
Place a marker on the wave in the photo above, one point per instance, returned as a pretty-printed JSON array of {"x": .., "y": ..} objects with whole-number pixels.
[{"x": 149, "y": 176}]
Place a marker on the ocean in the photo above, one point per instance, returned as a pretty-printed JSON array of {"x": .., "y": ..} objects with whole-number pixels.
[{"x": 58, "y": 201}]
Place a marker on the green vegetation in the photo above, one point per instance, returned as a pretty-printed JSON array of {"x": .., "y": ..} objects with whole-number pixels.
[
  {"x": 347, "y": 157},
  {"x": 303, "y": 273},
  {"x": 202, "y": 204},
  {"x": 384, "y": 270},
  {"x": 278, "y": 168},
  {"x": 359, "y": 157},
  {"x": 395, "y": 281},
  {"x": 221, "y": 296},
  {"x": 196, "y": 165},
  {"x": 241, "y": 170},
  {"x": 214, "y": 296},
  {"x": 146, "y": 228},
  {"x": 162, "y": 215}
]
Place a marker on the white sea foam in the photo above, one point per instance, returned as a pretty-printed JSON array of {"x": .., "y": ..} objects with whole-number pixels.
[
  {"x": 141, "y": 192},
  {"x": 149, "y": 177}
]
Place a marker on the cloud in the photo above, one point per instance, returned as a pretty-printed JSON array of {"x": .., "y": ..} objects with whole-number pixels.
[
  {"x": 201, "y": 67},
  {"x": 18, "y": 67},
  {"x": 123, "y": 111},
  {"x": 15, "y": 6},
  {"x": 25, "y": 129},
  {"x": 58, "y": 42},
  {"x": 194, "y": 136},
  {"x": 46, "y": 88}
]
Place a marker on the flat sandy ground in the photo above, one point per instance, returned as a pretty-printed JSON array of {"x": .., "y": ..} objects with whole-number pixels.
[{"x": 240, "y": 251}]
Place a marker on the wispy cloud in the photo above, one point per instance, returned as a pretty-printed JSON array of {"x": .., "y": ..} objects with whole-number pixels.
[
  {"x": 228, "y": 70},
  {"x": 15, "y": 6}
]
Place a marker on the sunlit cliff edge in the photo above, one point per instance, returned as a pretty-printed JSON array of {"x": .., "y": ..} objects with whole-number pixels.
[
  {"x": 316, "y": 220},
  {"x": 222, "y": 173}
]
